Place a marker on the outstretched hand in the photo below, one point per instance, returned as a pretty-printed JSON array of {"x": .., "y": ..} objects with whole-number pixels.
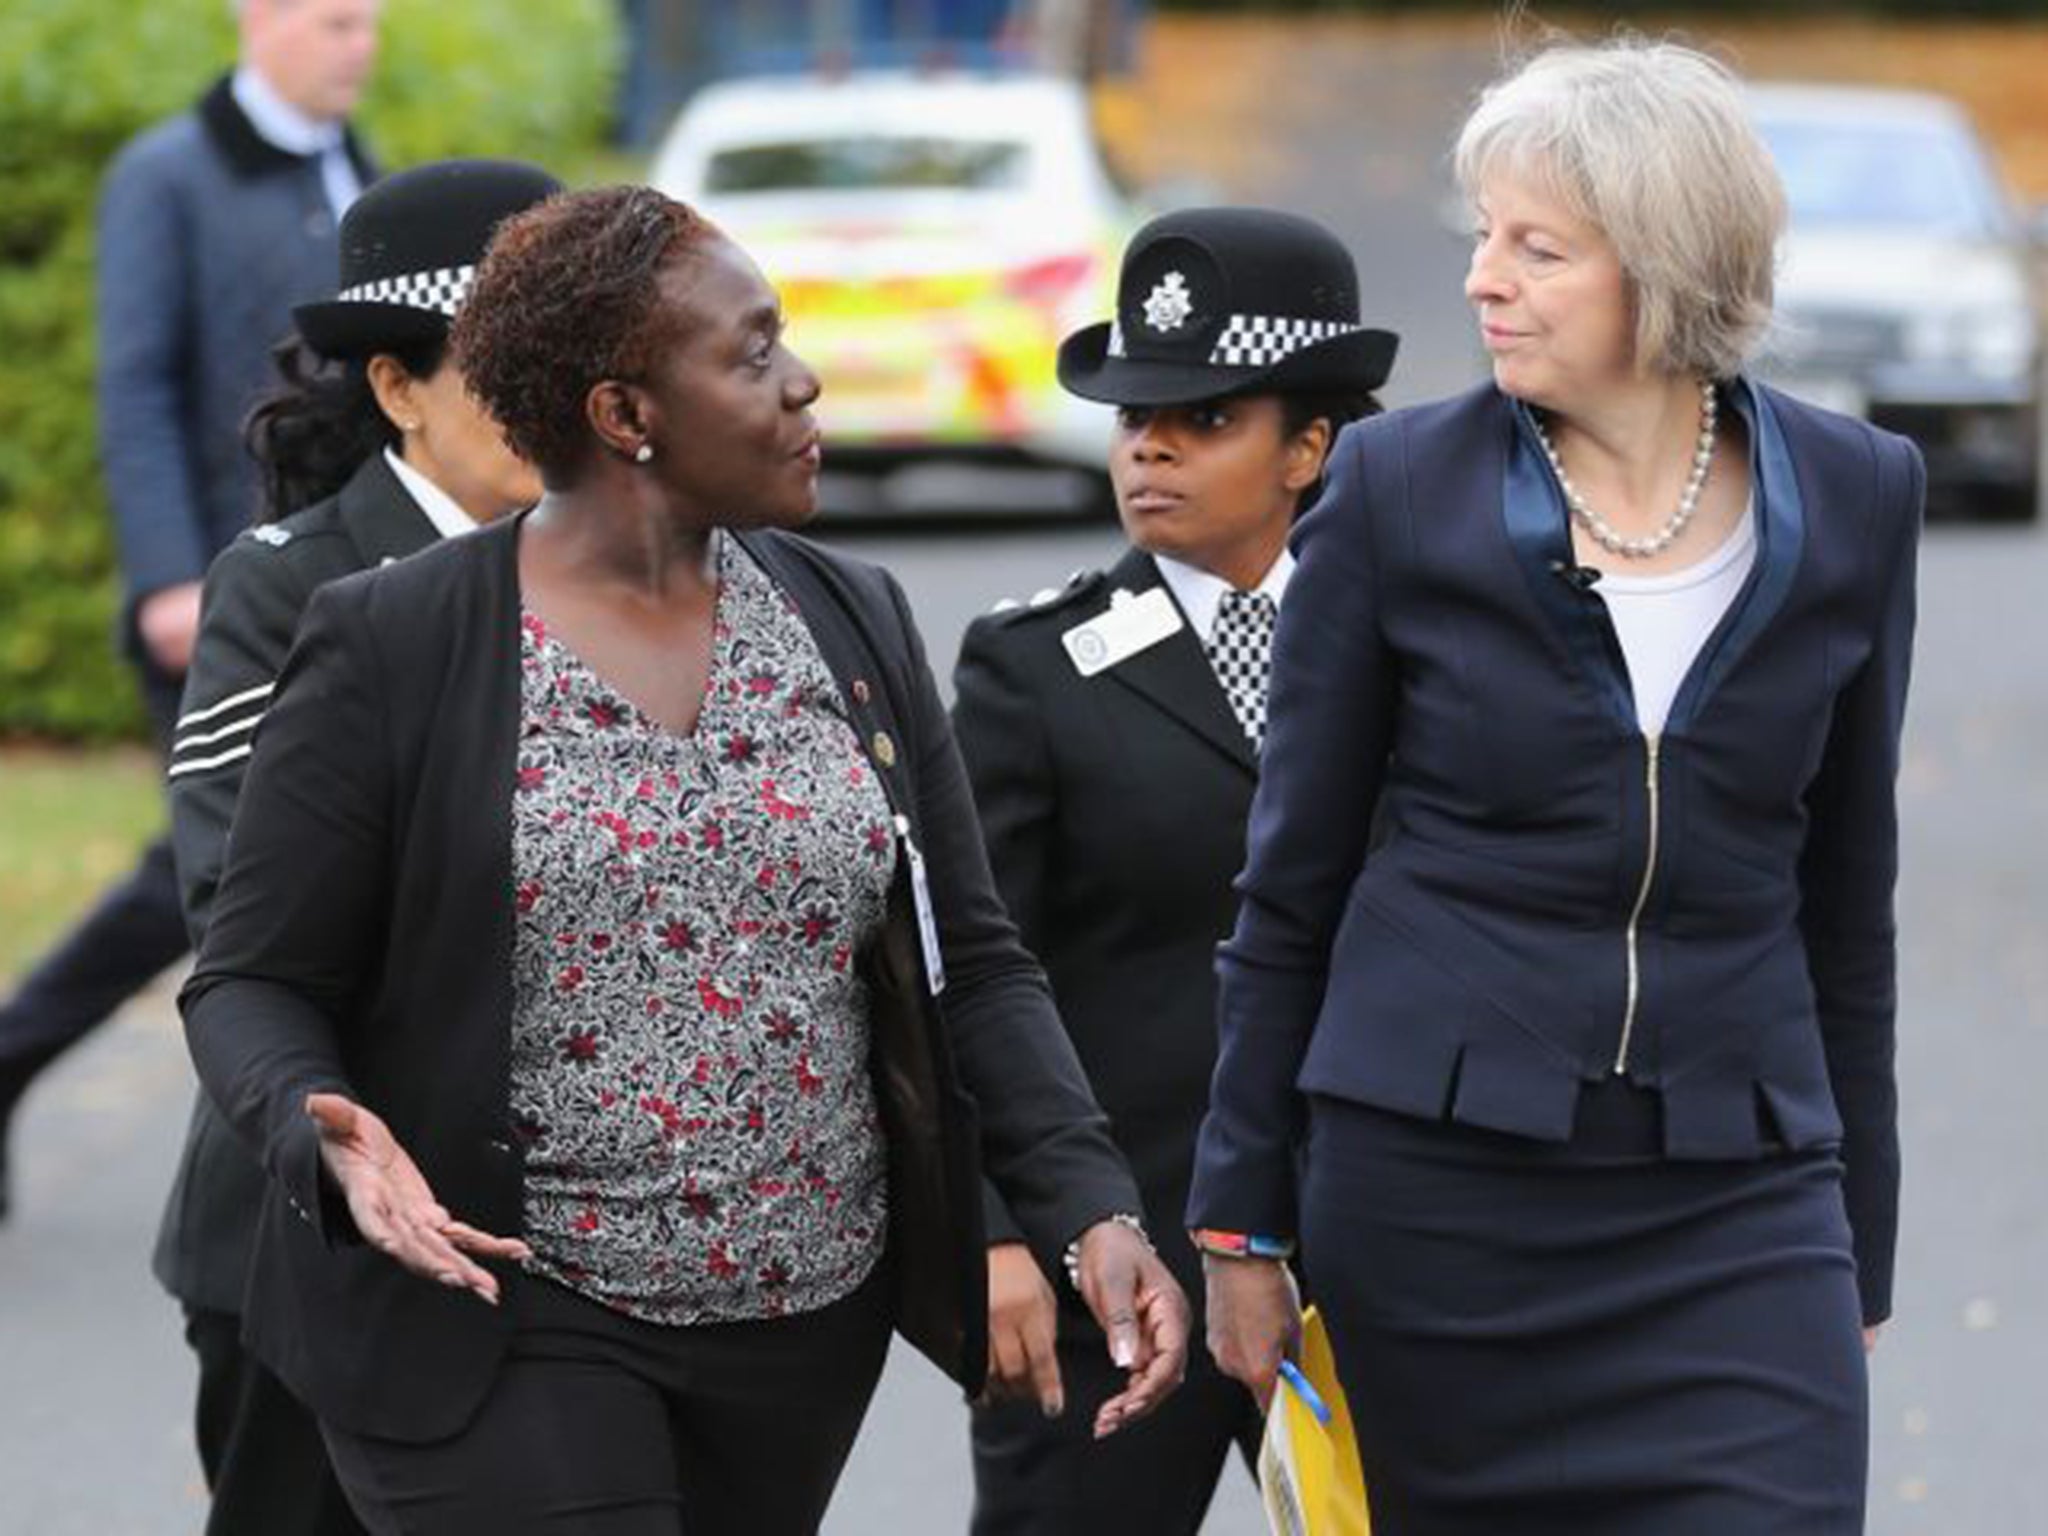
[
  {"x": 392, "y": 1206},
  {"x": 1143, "y": 1312}
]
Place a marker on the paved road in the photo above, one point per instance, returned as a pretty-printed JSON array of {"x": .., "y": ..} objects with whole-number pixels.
[{"x": 94, "y": 1383}]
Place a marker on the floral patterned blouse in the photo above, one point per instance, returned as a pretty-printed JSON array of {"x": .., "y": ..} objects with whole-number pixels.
[{"x": 690, "y": 1037}]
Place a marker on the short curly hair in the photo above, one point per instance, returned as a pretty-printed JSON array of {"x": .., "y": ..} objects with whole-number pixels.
[{"x": 568, "y": 296}]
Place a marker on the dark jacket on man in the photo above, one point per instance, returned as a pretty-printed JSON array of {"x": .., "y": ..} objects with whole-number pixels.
[
  {"x": 361, "y": 944},
  {"x": 208, "y": 235}
]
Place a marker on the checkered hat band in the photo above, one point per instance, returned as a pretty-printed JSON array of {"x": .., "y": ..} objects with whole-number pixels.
[
  {"x": 1116, "y": 339},
  {"x": 1258, "y": 341},
  {"x": 442, "y": 290}
]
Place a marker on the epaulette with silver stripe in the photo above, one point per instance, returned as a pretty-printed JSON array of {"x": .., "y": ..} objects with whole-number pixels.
[{"x": 1047, "y": 597}]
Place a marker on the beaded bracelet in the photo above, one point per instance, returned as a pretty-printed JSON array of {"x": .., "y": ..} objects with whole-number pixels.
[
  {"x": 1073, "y": 1254},
  {"x": 1241, "y": 1245}
]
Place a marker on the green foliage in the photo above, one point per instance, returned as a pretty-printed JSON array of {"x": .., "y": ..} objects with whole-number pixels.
[
  {"x": 71, "y": 823},
  {"x": 531, "y": 78}
]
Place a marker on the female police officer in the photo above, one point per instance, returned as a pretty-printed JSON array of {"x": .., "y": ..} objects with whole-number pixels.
[
  {"x": 376, "y": 449},
  {"x": 1112, "y": 732}
]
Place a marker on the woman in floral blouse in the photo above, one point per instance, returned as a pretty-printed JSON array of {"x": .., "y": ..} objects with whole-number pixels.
[{"x": 607, "y": 936}]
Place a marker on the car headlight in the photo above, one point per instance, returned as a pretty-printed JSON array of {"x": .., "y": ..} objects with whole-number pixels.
[{"x": 1993, "y": 343}]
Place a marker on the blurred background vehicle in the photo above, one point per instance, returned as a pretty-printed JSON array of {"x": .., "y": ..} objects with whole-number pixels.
[
  {"x": 678, "y": 45},
  {"x": 933, "y": 233},
  {"x": 1908, "y": 293}
]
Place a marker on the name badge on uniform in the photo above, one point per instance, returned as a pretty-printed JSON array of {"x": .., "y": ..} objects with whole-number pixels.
[
  {"x": 921, "y": 899},
  {"x": 1127, "y": 626}
]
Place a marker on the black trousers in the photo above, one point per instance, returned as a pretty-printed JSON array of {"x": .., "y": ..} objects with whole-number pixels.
[
  {"x": 265, "y": 1463},
  {"x": 604, "y": 1426},
  {"x": 1035, "y": 1476},
  {"x": 126, "y": 941}
]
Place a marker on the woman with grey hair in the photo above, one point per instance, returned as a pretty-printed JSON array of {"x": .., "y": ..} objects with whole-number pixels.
[{"x": 1575, "y": 1092}]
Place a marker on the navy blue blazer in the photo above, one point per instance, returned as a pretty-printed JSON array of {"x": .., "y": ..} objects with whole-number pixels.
[{"x": 1560, "y": 897}]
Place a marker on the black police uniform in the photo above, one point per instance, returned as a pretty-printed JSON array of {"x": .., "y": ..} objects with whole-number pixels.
[
  {"x": 1114, "y": 809},
  {"x": 261, "y": 1449}
]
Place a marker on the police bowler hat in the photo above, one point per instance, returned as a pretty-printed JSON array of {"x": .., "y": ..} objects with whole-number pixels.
[
  {"x": 1225, "y": 301},
  {"x": 410, "y": 247}
]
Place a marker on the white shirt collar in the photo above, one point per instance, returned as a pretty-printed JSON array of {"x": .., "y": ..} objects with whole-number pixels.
[
  {"x": 277, "y": 120},
  {"x": 285, "y": 127},
  {"x": 448, "y": 518},
  {"x": 1200, "y": 592}
]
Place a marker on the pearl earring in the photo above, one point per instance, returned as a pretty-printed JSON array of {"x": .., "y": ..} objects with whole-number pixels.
[{"x": 644, "y": 454}]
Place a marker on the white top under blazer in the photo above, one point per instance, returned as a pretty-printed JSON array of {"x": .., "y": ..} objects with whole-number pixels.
[{"x": 1662, "y": 621}]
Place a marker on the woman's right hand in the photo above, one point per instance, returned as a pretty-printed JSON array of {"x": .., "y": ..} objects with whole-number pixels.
[
  {"x": 392, "y": 1206},
  {"x": 1254, "y": 1319}
]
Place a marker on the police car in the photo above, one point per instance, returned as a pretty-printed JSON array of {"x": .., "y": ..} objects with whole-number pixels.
[{"x": 933, "y": 236}]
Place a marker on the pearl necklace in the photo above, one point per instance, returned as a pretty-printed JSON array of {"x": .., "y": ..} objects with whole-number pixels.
[{"x": 1604, "y": 533}]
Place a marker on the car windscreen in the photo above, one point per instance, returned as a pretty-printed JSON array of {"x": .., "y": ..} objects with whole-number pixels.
[
  {"x": 1884, "y": 175},
  {"x": 869, "y": 163}
]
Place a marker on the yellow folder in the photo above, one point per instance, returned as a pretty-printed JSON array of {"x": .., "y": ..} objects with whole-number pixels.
[{"x": 1308, "y": 1464}]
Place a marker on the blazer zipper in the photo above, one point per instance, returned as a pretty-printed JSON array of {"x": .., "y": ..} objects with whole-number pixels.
[{"x": 1651, "y": 742}]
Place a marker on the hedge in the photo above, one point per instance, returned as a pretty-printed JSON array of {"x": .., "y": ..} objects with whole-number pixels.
[{"x": 531, "y": 78}]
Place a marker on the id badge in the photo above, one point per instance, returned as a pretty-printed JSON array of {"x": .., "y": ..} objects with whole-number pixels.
[
  {"x": 921, "y": 899},
  {"x": 1127, "y": 626}
]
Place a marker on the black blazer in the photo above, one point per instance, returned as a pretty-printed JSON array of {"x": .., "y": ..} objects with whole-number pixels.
[
  {"x": 1560, "y": 898},
  {"x": 1114, "y": 808},
  {"x": 361, "y": 942},
  {"x": 256, "y": 592}
]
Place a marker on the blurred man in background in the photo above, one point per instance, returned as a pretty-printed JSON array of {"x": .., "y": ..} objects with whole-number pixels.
[{"x": 212, "y": 226}]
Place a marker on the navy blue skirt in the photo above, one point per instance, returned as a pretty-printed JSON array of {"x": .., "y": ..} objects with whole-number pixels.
[{"x": 1587, "y": 1339}]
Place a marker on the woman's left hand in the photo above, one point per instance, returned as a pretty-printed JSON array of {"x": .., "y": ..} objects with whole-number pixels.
[
  {"x": 1143, "y": 1312},
  {"x": 1870, "y": 1337},
  {"x": 392, "y": 1206}
]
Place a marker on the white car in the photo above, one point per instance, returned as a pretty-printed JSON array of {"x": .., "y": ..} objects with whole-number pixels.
[
  {"x": 933, "y": 237},
  {"x": 1906, "y": 291}
]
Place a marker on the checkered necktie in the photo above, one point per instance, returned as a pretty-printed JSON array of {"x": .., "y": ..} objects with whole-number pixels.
[{"x": 1241, "y": 654}]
